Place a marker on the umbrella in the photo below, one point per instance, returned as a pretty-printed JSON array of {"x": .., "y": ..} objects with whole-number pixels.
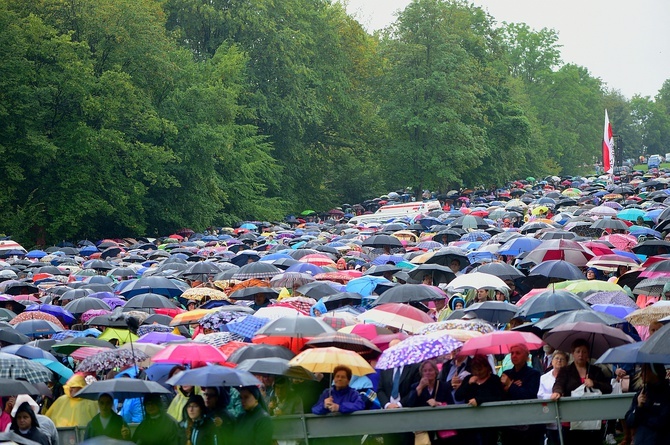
[
  {"x": 81, "y": 305},
  {"x": 249, "y": 293},
  {"x": 324, "y": 360},
  {"x": 609, "y": 297},
  {"x": 659, "y": 343},
  {"x": 247, "y": 326},
  {"x": 501, "y": 270},
  {"x": 560, "y": 249},
  {"x": 551, "y": 301},
  {"x": 318, "y": 259},
  {"x": 275, "y": 366},
  {"x": 189, "y": 353},
  {"x": 37, "y": 328},
  {"x": 600, "y": 336},
  {"x": 11, "y": 387},
  {"x": 106, "y": 360},
  {"x": 218, "y": 339},
  {"x": 159, "y": 337},
  {"x": 34, "y": 316},
  {"x": 614, "y": 310},
  {"x": 122, "y": 388},
  {"x": 190, "y": 317},
  {"x": 214, "y": 376},
  {"x": 649, "y": 314},
  {"x": 440, "y": 274},
  {"x": 296, "y": 327},
  {"x": 11, "y": 336},
  {"x": 469, "y": 222},
  {"x": 382, "y": 241},
  {"x": 476, "y": 280},
  {"x": 651, "y": 286},
  {"x": 340, "y": 299},
  {"x": 149, "y": 300},
  {"x": 408, "y": 293},
  {"x": 120, "y": 335},
  {"x": 650, "y": 248},
  {"x": 27, "y": 351},
  {"x": 256, "y": 270},
  {"x": 609, "y": 223},
  {"x": 499, "y": 342},
  {"x": 579, "y": 286},
  {"x": 260, "y": 351},
  {"x": 416, "y": 349},
  {"x": 366, "y": 285},
  {"x": 14, "y": 367},
  {"x": 400, "y": 316},
  {"x": 70, "y": 345},
  {"x": 479, "y": 326},
  {"x": 445, "y": 256},
  {"x": 316, "y": 290},
  {"x": 611, "y": 261},
  {"x": 291, "y": 280},
  {"x": 518, "y": 245},
  {"x": 64, "y": 373},
  {"x": 496, "y": 312},
  {"x": 61, "y": 314},
  {"x": 585, "y": 315},
  {"x": 204, "y": 293},
  {"x": 557, "y": 269},
  {"x": 631, "y": 353},
  {"x": 152, "y": 284},
  {"x": 6, "y": 314},
  {"x": 351, "y": 342},
  {"x": 214, "y": 320}
]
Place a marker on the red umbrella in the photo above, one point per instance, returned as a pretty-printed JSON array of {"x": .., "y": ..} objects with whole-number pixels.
[
  {"x": 189, "y": 353},
  {"x": 317, "y": 259},
  {"x": 598, "y": 248},
  {"x": 499, "y": 342},
  {"x": 341, "y": 276}
]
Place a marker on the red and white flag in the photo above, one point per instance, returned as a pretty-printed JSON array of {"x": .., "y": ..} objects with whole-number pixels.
[{"x": 608, "y": 147}]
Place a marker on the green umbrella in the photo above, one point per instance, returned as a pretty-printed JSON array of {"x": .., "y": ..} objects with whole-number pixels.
[{"x": 308, "y": 212}]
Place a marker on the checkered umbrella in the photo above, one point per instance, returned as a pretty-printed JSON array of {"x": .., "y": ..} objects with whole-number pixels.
[
  {"x": 256, "y": 270},
  {"x": 147, "y": 328},
  {"x": 14, "y": 367},
  {"x": 218, "y": 339},
  {"x": 116, "y": 358},
  {"x": 351, "y": 342},
  {"x": 247, "y": 326}
]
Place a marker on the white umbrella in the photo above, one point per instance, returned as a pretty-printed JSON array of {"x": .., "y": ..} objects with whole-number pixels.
[{"x": 476, "y": 280}]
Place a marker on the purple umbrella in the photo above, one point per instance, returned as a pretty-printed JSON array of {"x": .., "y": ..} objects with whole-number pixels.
[
  {"x": 618, "y": 298},
  {"x": 416, "y": 349},
  {"x": 613, "y": 309},
  {"x": 159, "y": 337},
  {"x": 114, "y": 302},
  {"x": 56, "y": 311},
  {"x": 147, "y": 328},
  {"x": 384, "y": 259}
]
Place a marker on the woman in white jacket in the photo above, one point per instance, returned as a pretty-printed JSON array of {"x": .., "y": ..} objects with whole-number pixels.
[{"x": 559, "y": 359}]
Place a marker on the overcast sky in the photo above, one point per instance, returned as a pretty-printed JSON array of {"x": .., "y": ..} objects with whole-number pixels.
[{"x": 626, "y": 43}]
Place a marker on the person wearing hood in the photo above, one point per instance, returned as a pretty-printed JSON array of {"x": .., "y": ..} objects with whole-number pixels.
[
  {"x": 199, "y": 427},
  {"x": 68, "y": 410},
  {"x": 25, "y": 424},
  {"x": 158, "y": 427},
  {"x": 254, "y": 427},
  {"x": 318, "y": 309},
  {"x": 454, "y": 303},
  {"x": 45, "y": 424},
  {"x": 107, "y": 422},
  {"x": 176, "y": 408}
]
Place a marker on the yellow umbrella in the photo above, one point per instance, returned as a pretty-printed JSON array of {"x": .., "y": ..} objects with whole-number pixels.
[
  {"x": 406, "y": 235},
  {"x": 324, "y": 360},
  {"x": 420, "y": 259},
  {"x": 577, "y": 286},
  {"x": 649, "y": 314},
  {"x": 462, "y": 335},
  {"x": 121, "y": 335},
  {"x": 539, "y": 210},
  {"x": 199, "y": 293},
  {"x": 191, "y": 316}
]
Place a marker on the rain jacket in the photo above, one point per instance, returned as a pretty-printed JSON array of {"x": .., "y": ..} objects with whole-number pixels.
[
  {"x": 254, "y": 427},
  {"x": 348, "y": 398},
  {"x": 34, "y": 432},
  {"x": 46, "y": 425},
  {"x": 651, "y": 421},
  {"x": 69, "y": 411},
  {"x": 113, "y": 429},
  {"x": 160, "y": 430}
]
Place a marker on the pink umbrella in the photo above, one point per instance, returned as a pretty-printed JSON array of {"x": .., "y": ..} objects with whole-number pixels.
[
  {"x": 499, "y": 342},
  {"x": 620, "y": 241},
  {"x": 560, "y": 249},
  {"x": 189, "y": 353}
]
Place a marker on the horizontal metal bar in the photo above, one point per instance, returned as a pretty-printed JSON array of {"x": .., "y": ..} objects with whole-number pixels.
[{"x": 525, "y": 412}]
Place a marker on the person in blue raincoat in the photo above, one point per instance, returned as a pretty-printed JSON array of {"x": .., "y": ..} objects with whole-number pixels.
[{"x": 340, "y": 398}]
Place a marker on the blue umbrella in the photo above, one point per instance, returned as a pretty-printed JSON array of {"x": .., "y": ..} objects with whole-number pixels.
[
  {"x": 557, "y": 269},
  {"x": 365, "y": 285},
  {"x": 36, "y": 254},
  {"x": 57, "y": 311},
  {"x": 157, "y": 285},
  {"x": 275, "y": 256},
  {"x": 305, "y": 268},
  {"x": 64, "y": 373},
  {"x": 37, "y": 328},
  {"x": 30, "y": 352},
  {"x": 631, "y": 353},
  {"x": 646, "y": 231},
  {"x": 616, "y": 310},
  {"x": 518, "y": 245},
  {"x": 247, "y": 326},
  {"x": 384, "y": 259}
]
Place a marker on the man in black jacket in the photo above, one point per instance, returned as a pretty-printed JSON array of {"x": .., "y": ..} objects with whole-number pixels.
[{"x": 107, "y": 422}]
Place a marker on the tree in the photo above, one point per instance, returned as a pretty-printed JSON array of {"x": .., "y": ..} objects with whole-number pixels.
[{"x": 530, "y": 53}]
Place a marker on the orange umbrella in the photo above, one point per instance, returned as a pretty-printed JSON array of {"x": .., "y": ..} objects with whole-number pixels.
[
  {"x": 191, "y": 316},
  {"x": 253, "y": 282}
]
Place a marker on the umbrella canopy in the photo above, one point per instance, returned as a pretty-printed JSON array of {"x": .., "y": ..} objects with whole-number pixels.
[
  {"x": 256, "y": 270},
  {"x": 316, "y": 290},
  {"x": 340, "y": 299},
  {"x": 122, "y": 388},
  {"x": 479, "y": 326},
  {"x": 400, "y": 316},
  {"x": 159, "y": 337},
  {"x": 260, "y": 351},
  {"x": 11, "y": 336},
  {"x": 609, "y": 223},
  {"x": 29, "y": 352},
  {"x": 416, "y": 349},
  {"x": 106, "y": 360},
  {"x": 296, "y": 327},
  {"x": 651, "y": 286},
  {"x": 324, "y": 360},
  {"x": 11, "y": 387},
  {"x": 57, "y": 311},
  {"x": 120, "y": 335},
  {"x": 551, "y": 301},
  {"x": 631, "y": 353},
  {"x": 496, "y": 312},
  {"x": 152, "y": 284},
  {"x": 476, "y": 280},
  {"x": 17, "y": 368},
  {"x": 81, "y": 305},
  {"x": 149, "y": 300},
  {"x": 609, "y": 297},
  {"x": 204, "y": 293},
  {"x": 499, "y": 342},
  {"x": 247, "y": 326},
  {"x": 560, "y": 249},
  {"x": 37, "y": 328},
  {"x": 408, "y": 293},
  {"x": 586, "y": 315},
  {"x": 440, "y": 274},
  {"x": 599, "y": 336},
  {"x": 351, "y": 342},
  {"x": 275, "y": 366},
  {"x": 518, "y": 245},
  {"x": 366, "y": 285},
  {"x": 557, "y": 269},
  {"x": 214, "y": 376},
  {"x": 658, "y": 344},
  {"x": 189, "y": 353},
  {"x": 249, "y": 293},
  {"x": 382, "y": 241},
  {"x": 501, "y": 270},
  {"x": 64, "y": 373},
  {"x": 70, "y": 345},
  {"x": 291, "y": 280},
  {"x": 649, "y": 314}
]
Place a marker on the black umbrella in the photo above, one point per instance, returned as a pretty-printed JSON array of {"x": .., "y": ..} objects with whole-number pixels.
[
  {"x": 275, "y": 366},
  {"x": 81, "y": 305},
  {"x": 549, "y": 302},
  {"x": 158, "y": 319},
  {"x": 75, "y": 294},
  {"x": 244, "y": 257},
  {"x": 558, "y": 234},
  {"x": 382, "y": 241},
  {"x": 501, "y": 270},
  {"x": 380, "y": 269},
  {"x": 248, "y": 293},
  {"x": 149, "y": 300},
  {"x": 284, "y": 263},
  {"x": 609, "y": 223},
  {"x": 201, "y": 270},
  {"x": 69, "y": 345},
  {"x": 496, "y": 312},
  {"x": 260, "y": 351},
  {"x": 12, "y": 337},
  {"x": 340, "y": 299},
  {"x": 122, "y": 388},
  {"x": 408, "y": 293},
  {"x": 109, "y": 320},
  {"x": 447, "y": 236},
  {"x": 256, "y": 270},
  {"x": 123, "y": 272},
  {"x": 11, "y": 387},
  {"x": 440, "y": 274},
  {"x": 111, "y": 252},
  {"x": 556, "y": 269},
  {"x": 588, "y": 315},
  {"x": 659, "y": 343},
  {"x": 651, "y": 248},
  {"x": 99, "y": 265},
  {"x": 316, "y": 290},
  {"x": 21, "y": 288},
  {"x": 299, "y": 253},
  {"x": 297, "y": 327},
  {"x": 445, "y": 256}
]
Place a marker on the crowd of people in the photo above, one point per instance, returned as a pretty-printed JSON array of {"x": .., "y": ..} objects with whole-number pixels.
[{"x": 214, "y": 286}]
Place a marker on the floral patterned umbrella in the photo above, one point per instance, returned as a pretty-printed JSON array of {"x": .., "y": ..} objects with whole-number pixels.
[
  {"x": 116, "y": 358},
  {"x": 468, "y": 325},
  {"x": 86, "y": 316},
  {"x": 36, "y": 315},
  {"x": 416, "y": 349},
  {"x": 147, "y": 328},
  {"x": 217, "y": 319},
  {"x": 200, "y": 293}
]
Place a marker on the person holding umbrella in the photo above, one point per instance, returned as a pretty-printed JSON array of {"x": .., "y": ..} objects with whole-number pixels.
[
  {"x": 578, "y": 373},
  {"x": 649, "y": 413},
  {"x": 254, "y": 427},
  {"x": 107, "y": 422},
  {"x": 158, "y": 427}
]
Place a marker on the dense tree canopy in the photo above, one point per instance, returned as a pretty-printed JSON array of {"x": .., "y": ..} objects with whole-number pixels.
[{"x": 130, "y": 117}]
